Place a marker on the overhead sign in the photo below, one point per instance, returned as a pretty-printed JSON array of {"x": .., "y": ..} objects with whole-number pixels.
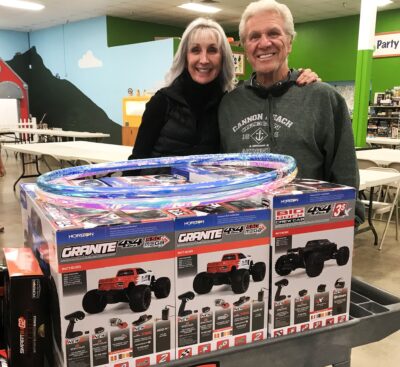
[{"x": 387, "y": 44}]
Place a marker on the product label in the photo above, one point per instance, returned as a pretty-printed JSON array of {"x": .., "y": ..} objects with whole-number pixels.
[
  {"x": 241, "y": 319},
  {"x": 187, "y": 266},
  {"x": 223, "y": 319},
  {"x": 100, "y": 349},
  {"x": 142, "y": 339},
  {"x": 120, "y": 340},
  {"x": 282, "y": 314},
  {"x": 339, "y": 301},
  {"x": 74, "y": 283},
  {"x": 78, "y": 352},
  {"x": 206, "y": 327},
  {"x": 302, "y": 309},
  {"x": 187, "y": 330},
  {"x": 163, "y": 335},
  {"x": 258, "y": 316}
]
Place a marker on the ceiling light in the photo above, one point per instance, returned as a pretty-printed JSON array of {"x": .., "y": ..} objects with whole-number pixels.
[
  {"x": 199, "y": 8},
  {"x": 383, "y": 2},
  {"x": 20, "y": 4}
]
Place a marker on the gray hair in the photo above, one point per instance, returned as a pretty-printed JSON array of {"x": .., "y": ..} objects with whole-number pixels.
[
  {"x": 227, "y": 74},
  {"x": 267, "y": 5}
]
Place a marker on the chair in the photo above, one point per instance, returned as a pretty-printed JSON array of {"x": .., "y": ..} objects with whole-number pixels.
[
  {"x": 365, "y": 163},
  {"x": 388, "y": 204},
  {"x": 396, "y": 166},
  {"x": 51, "y": 162}
]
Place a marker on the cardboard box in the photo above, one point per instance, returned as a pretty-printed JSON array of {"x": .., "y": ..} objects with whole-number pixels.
[
  {"x": 25, "y": 313},
  {"x": 222, "y": 258},
  {"x": 112, "y": 276},
  {"x": 311, "y": 255}
]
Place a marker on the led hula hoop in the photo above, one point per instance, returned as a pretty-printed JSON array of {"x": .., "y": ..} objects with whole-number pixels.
[{"x": 53, "y": 186}]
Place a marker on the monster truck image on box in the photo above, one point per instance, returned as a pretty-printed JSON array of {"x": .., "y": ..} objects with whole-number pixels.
[
  {"x": 311, "y": 257},
  {"x": 234, "y": 269},
  {"x": 133, "y": 285}
]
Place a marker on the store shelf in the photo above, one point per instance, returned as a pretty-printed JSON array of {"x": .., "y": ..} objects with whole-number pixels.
[
  {"x": 386, "y": 125},
  {"x": 374, "y": 315}
]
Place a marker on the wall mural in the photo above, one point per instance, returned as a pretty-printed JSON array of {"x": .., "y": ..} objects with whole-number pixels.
[
  {"x": 63, "y": 103},
  {"x": 76, "y": 81}
]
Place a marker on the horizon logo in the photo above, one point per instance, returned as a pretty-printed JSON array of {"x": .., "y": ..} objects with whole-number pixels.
[{"x": 81, "y": 235}]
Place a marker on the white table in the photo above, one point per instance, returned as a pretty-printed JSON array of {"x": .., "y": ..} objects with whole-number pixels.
[
  {"x": 384, "y": 141},
  {"x": 61, "y": 133},
  {"x": 69, "y": 151},
  {"x": 369, "y": 178},
  {"x": 381, "y": 157}
]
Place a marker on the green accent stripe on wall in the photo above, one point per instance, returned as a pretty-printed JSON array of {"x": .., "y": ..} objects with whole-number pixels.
[
  {"x": 125, "y": 31},
  {"x": 361, "y": 96}
]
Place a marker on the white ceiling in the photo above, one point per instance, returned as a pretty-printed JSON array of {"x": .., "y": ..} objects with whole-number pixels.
[{"x": 58, "y": 12}]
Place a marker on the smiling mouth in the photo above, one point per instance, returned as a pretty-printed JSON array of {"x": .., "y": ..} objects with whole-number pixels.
[
  {"x": 203, "y": 71},
  {"x": 265, "y": 56}
]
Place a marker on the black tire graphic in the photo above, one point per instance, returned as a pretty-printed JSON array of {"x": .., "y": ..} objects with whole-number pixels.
[
  {"x": 139, "y": 298},
  {"x": 94, "y": 301},
  {"x": 162, "y": 287},
  {"x": 342, "y": 256},
  {"x": 240, "y": 280},
  {"x": 283, "y": 266},
  {"x": 258, "y": 271},
  {"x": 202, "y": 283},
  {"x": 314, "y": 264}
]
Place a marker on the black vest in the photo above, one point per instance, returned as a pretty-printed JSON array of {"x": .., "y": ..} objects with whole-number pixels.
[{"x": 191, "y": 119}]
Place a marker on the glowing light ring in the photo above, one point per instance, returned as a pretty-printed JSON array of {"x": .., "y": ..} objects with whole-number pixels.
[
  {"x": 162, "y": 202},
  {"x": 283, "y": 166}
]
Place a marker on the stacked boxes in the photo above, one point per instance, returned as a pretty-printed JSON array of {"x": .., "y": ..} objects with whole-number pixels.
[
  {"x": 112, "y": 277},
  {"x": 222, "y": 257},
  {"x": 25, "y": 313},
  {"x": 138, "y": 288},
  {"x": 311, "y": 255}
]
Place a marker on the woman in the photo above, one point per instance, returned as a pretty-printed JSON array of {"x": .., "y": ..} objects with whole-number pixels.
[{"x": 181, "y": 118}]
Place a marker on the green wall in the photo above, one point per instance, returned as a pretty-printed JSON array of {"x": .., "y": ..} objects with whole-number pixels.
[
  {"x": 330, "y": 48},
  {"x": 125, "y": 31},
  {"x": 327, "y": 46},
  {"x": 386, "y": 71}
]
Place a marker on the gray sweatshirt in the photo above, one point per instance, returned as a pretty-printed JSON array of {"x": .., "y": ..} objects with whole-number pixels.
[{"x": 310, "y": 123}]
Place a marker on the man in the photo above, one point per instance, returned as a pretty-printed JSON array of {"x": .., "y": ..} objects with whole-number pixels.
[{"x": 270, "y": 113}]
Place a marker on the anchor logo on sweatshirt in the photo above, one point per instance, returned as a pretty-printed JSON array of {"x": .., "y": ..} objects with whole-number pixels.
[{"x": 259, "y": 136}]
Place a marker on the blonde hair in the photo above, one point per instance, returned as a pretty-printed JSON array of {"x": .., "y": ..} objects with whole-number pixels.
[
  {"x": 267, "y": 5},
  {"x": 227, "y": 75}
]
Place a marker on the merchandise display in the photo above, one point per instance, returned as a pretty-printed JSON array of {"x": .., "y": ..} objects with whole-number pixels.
[
  {"x": 312, "y": 238},
  {"x": 133, "y": 286},
  {"x": 55, "y": 186}
]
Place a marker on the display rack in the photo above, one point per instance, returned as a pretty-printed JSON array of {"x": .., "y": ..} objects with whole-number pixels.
[
  {"x": 374, "y": 315},
  {"x": 384, "y": 121}
]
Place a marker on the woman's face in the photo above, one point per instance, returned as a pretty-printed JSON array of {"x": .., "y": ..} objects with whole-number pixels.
[{"x": 204, "y": 59}]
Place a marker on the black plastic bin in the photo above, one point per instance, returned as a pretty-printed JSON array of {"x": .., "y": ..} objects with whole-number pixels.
[{"x": 374, "y": 315}]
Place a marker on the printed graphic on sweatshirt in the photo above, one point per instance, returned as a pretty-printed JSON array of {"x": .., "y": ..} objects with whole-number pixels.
[{"x": 255, "y": 131}]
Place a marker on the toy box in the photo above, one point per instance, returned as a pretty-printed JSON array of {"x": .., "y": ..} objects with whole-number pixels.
[
  {"x": 26, "y": 319},
  {"x": 311, "y": 255},
  {"x": 222, "y": 258},
  {"x": 112, "y": 279}
]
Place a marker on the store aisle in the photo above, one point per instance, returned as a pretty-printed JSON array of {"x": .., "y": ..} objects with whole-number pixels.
[{"x": 381, "y": 269}]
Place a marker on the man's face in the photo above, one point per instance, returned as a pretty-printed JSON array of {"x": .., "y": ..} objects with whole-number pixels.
[
  {"x": 204, "y": 59},
  {"x": 267, "y": 45}
]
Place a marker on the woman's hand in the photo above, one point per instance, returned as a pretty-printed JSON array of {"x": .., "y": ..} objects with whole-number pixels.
[{"x": 307, "y": 76}]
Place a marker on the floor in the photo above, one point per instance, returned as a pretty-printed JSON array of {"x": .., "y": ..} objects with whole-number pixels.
[{"x": 379, "y": 268}]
